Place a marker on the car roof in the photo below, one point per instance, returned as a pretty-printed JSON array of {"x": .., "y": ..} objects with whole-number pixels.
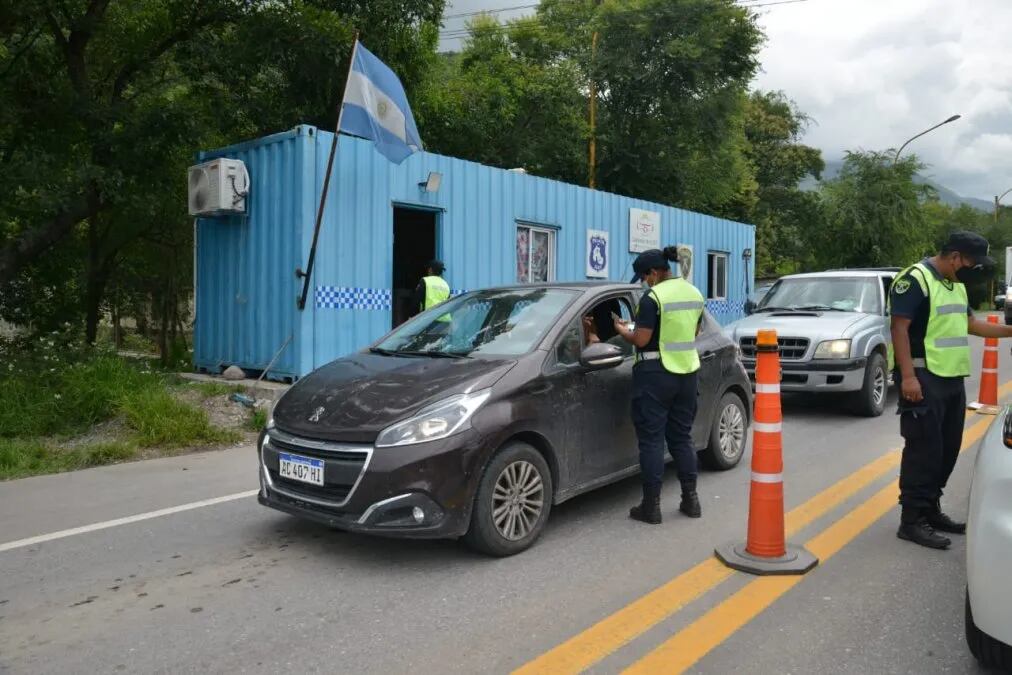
[
  {"x": 840, "y": 274},
  {"x": 581, "y": 286}
]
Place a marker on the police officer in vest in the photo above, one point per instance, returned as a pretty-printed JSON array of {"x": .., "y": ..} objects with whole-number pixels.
[
  {"x": 931, "y": 320},
  {"x": 432, "y": 289},
  {"x": 664, "y": 379}
]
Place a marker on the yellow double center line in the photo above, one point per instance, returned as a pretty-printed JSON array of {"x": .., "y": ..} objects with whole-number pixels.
[{"x": 692, "y": 643}]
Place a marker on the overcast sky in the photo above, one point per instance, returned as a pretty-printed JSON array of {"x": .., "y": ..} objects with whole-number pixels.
[{"x": 872, "y": 73}]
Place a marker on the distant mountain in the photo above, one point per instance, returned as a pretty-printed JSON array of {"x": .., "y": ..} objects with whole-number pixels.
[{"x": 945, "y": 195}]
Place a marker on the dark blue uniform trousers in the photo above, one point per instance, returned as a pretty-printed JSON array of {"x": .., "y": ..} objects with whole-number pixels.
[{"x": 663, "y": 409}]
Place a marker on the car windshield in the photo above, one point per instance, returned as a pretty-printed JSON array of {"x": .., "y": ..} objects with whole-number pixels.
[
  {"x": 498, "y": 322},
  {"x": 841, "y": 294}
]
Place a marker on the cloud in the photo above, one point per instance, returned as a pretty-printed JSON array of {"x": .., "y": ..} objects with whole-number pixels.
[{"x": 873, "y": 74}]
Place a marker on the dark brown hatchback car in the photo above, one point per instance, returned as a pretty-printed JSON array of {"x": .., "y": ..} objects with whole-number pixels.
[{"x": 474, "y": 418}]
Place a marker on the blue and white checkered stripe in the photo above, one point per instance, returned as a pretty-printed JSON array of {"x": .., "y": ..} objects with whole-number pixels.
[
  {"x": 340, "y": 297},
  {"x": 725, "y": 307}
]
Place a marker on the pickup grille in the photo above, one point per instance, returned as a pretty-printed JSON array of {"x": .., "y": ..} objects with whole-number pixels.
[{"x": 791, "y": 348}]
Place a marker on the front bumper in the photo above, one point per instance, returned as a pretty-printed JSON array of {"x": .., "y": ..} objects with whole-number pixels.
[
  {"x": 830, "y": 375},
  {"x": 989, "y": 536},
  {"x": 378, "y": 490}
]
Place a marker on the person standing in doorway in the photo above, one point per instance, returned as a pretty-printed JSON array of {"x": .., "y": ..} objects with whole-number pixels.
[
  {"x": 664, "y": 379},
  {"x": 432, "y": 290},
  {"x": 931, "y": 321}
]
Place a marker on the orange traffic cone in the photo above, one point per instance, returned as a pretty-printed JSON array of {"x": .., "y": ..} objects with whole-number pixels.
[
  {"x": 987, "y": 400},
  {"x": 765, "y": 550}
]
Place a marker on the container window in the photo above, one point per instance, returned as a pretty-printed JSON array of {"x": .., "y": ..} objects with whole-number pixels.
[
  {"x": 535, "y": 254},
  {"x": 716, "y": 266}
]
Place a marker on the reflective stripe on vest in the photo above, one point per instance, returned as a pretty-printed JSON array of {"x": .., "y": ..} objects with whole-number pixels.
[
  {"x": 946, "y": 342},
  {"x": 681, "y": 306}
]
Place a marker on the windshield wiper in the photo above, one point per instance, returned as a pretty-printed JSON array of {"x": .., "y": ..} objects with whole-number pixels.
[
  {"x": 820, "y": 308},
  {"x": 434, "y": 354},
  {"x": 391, "y": 352},
  {"x": 775, "y": 309}
]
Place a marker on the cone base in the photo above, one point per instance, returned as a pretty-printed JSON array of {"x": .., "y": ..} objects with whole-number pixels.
[
  {"x": 797, "y": 560},
  {"x": 984, "y": 408}
]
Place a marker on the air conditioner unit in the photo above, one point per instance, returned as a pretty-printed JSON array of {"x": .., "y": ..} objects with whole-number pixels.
[{"x": 218, "y": 188}]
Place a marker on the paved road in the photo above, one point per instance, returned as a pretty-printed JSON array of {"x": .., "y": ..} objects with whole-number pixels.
[{"x": 233, "y": 587}]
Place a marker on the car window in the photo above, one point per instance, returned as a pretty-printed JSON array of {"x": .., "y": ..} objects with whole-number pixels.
[
  {"x": 567, "y": 351},
  {"x": 887, "y": 283},
  {"x": 594, "y": 324}
]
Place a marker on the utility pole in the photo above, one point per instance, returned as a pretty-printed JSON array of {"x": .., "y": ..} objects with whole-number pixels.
[{"x": 592, "y": 168}]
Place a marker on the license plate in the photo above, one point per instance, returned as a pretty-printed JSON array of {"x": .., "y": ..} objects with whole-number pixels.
[{"x": 304, "y": 469}]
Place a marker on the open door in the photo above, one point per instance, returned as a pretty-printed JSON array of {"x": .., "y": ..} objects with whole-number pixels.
[{"x": 414, "y": 246}]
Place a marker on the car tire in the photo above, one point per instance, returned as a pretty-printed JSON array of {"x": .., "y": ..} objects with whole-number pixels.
[
  {"x": 870, "y": 400},
  {"x": 990, "y": 653},
  {"x": 728, "y": 434},
  {"x": 516, "y": 469}
]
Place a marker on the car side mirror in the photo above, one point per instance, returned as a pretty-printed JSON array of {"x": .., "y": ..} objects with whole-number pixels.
[
  {"x": 601, "y": 355},
  {"x": 749, "y": 307}
]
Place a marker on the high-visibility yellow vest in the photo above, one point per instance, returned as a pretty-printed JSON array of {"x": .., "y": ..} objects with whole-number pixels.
[
  {"x": 437, "y": 291},
  {"x": 946, "y": 342},
  {"x": 681, "y": 306}
]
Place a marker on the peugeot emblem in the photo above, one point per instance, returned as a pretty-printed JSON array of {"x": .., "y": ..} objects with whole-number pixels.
[{"x": 315, "y": 417}]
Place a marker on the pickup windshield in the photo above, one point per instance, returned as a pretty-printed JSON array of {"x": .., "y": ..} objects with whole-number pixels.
[{"x": 841, "y": 294}]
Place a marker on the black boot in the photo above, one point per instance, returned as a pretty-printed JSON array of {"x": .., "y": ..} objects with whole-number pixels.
[
  {"x": 649, "y": 510},
  {"x": 943, "y": 523},
  {"x": 690, "y": 504},
  {"x": 914, "y": 527}
]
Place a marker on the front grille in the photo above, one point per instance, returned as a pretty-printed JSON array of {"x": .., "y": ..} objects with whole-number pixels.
[
  {"x": 791, "y": 348},
  {"x": 343, "y": 465}
]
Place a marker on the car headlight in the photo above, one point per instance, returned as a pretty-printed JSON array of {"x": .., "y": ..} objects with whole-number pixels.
[
  {"x": 435, "y": 422},
  {"x": 833, "y": 349}
]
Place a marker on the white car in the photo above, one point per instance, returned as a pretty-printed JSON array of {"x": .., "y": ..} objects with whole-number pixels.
[{"x": 989, "y": 550}]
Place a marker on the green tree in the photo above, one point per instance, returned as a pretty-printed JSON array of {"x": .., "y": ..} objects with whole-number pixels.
[
  {"x": 784, "y": 213},
  {"x": 874, "y": 213},
  {"x": 105, "y": 102},
  {"x": 497, "y": 104}
]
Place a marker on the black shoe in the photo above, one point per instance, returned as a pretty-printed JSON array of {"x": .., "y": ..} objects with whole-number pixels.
[
  {"x": 649, "y": 511},
  {"x": 922, "y": 533},
  {"x": 944, "y": 523},
  {"x": 690, "y": 505}
]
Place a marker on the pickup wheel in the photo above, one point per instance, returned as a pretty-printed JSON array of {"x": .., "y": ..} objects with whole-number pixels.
[{"x": 870, "y": 401}]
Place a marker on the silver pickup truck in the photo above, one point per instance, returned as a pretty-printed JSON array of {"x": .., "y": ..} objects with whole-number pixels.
[{"x": 833, "y": 330}]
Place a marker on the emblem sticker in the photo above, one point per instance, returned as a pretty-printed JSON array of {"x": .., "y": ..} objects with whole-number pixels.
[{"x": 902, "y": 286}]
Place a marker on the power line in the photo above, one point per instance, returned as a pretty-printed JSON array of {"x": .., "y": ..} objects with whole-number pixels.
[
  {"x": 490, "y": 11},
  {"x": 536, "y": 21}
]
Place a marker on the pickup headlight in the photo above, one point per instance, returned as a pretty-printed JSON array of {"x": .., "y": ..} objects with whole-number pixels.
[
  {"x": 435, "y": 422},
  {"x": 833, "y": 349}
]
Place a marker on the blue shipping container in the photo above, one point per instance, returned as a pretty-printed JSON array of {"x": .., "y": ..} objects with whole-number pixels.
[{"x": 490, "y": 226}]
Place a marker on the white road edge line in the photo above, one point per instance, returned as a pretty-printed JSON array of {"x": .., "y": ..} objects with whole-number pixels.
[{"x": 84, "y": 529}]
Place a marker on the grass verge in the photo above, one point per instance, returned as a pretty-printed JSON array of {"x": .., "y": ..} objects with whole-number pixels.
[{"x": 20, "y": 458}]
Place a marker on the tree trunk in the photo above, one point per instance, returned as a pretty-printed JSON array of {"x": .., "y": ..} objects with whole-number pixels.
[
  {"x": 35, "y": 241},
  {"x": 117, "y": 330},
  {"x": 98, "y": 271}
]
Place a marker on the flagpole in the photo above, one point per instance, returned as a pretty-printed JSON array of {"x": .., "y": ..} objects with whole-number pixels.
[{"x": 306, "y": 276}]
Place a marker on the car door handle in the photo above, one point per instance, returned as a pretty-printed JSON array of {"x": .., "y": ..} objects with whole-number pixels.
[{"x": 707, "y": 356}]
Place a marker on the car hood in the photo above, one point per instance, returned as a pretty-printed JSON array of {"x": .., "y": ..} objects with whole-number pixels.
[
  {"x": 812, "y": 325},
  {"x": 360, "y": 395}
]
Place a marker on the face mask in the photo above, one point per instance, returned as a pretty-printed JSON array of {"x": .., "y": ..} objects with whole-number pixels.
[{"x": 974, "y": 275}]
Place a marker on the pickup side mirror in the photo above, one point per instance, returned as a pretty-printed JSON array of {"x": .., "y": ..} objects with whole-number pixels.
[
  {"x": 749, "y": 307},
  {"x": 600, "y": 356}
]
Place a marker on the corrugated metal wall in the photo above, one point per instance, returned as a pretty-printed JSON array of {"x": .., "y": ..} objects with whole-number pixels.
[{"x": 246, "y": 282}]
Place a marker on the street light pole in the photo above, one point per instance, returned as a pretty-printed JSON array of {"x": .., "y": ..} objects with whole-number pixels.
[
  {"x": 951, "y": 119},
  {"x": 997, "y": 200}
]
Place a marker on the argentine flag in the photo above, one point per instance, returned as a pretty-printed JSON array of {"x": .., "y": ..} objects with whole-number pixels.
[{"x": 375, "y": 107}]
